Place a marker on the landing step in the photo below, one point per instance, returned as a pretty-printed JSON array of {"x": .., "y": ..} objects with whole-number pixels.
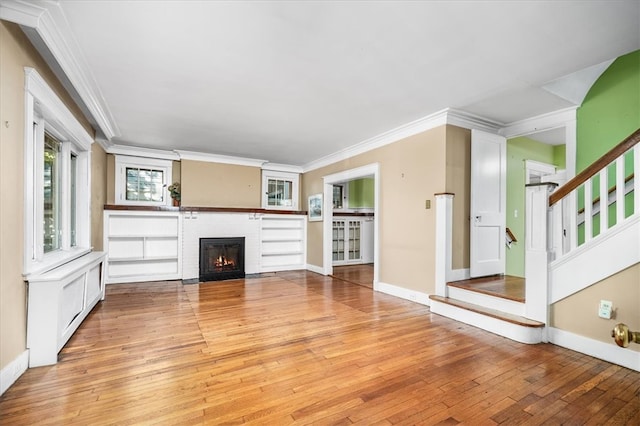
[{"x": 503, "y": 316}]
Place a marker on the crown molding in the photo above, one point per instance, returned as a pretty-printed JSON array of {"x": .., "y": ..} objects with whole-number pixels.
[
  {"x": 440, "y": 118},
  {"x": 135, "y": 151},
  {"x": 277, "y": 167},
  {"x": 215, "y": 158},
  {"x": 47, "y": 19},
  {"x": 548, "y": 121}
]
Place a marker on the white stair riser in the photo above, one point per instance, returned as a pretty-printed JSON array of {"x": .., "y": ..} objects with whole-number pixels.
[
  {"x": 522, "y": 334},
  {"x": 487, "y": 301}
]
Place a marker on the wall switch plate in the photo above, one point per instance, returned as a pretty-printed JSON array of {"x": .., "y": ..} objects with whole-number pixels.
[
  {"x": 604, "y": 311},
  {"x": 427, "y": 204}
]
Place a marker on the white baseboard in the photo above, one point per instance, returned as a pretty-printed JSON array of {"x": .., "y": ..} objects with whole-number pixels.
[
  {"x": 403, "y": 293},
  {"x": 12, "y": 371},
  {"x": 459, "y": 275},
  {"x": 316, "y": 269},
  {"x": 606, "y": 351}
]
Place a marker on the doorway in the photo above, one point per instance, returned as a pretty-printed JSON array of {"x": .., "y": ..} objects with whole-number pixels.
[{"x": 369, "y": 171}]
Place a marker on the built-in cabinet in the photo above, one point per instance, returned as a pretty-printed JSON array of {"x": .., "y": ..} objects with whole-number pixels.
[
  {"x": 142, "y": 246},
  {"x": 282, "y": 241},
  {"x": 352, "y": 240}
]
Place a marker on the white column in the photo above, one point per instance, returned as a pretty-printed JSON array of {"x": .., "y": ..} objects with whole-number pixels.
[
  {"x": 537, "y": 252},
  {"x": 444, "y": 227}
]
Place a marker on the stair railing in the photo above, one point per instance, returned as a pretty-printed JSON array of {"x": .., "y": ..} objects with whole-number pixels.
[
  {"x": 578, "y": 197},
  {"x": 552, "y": 229}
]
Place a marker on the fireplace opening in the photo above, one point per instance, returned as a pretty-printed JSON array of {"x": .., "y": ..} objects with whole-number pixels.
[{"x": 221, "y": 259}]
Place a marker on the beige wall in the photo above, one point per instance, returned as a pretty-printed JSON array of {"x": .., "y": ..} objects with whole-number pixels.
[
  {"x": 578, "y": 313},
  {"x": 98, "y": 194},
  {"x": 459, "y": 183},
  {"x": 411, "y": 171},
  {"x": 206, "y": 184},
  {"x": 16, "y": 52}
]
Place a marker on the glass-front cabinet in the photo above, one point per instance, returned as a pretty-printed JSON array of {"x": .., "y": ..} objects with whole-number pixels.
[{"x": 346, "y": 241}]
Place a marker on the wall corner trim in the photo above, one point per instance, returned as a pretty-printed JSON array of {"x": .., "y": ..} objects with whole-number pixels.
[
  {"x": 12, "y": 371},
  {"x": 216, "y": 158},
  {"x": 49, "y": 23}
]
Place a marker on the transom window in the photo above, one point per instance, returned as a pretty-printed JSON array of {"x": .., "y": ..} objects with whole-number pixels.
[
  {"x": 280, "y": 190},
  {"x": 142, "y": 181}
]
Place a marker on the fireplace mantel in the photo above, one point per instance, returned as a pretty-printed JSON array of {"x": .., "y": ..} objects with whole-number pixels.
[{"x": 201, "y": 209}]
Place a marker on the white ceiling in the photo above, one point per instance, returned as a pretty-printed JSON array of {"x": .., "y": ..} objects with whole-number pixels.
[{"x": 291, "y": 82}]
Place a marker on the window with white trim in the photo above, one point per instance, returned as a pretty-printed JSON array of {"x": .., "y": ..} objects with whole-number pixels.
[
  {"x": 340, "y": 195},
  {"x": 142, "y": 181},
  {"x": 57, "y": 180},
  {"x": 280, "y": 190}
]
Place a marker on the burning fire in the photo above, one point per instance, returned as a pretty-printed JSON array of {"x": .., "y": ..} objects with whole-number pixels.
[{"x": 222, "y": 261}]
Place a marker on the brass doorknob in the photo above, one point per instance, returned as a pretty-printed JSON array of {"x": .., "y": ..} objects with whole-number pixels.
[{"x": 623, "y": 335}]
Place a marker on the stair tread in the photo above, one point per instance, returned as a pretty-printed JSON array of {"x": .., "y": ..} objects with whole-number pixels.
[{"x": 514, "y": 319}]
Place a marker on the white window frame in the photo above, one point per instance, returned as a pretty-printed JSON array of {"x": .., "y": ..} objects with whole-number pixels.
[
  {"x": 45, "y": 109},
  {"x": 345, "y": 197},
  {"x": 294, "y": 178},
  {"x": 124, "y": 161}
]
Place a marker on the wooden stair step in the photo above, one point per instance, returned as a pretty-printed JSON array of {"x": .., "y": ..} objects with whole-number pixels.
[{"x": 514, "y": 319}]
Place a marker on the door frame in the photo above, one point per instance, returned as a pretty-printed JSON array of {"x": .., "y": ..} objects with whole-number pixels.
[{"x": 370, "y": 170}]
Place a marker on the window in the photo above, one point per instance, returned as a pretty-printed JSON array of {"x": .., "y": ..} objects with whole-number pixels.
[
  {"x": 280, "y": 190},
  {"x": 57, "y": 180},
  {"x": 142, "y": 181},
  {"x": 339, "y": 196}
]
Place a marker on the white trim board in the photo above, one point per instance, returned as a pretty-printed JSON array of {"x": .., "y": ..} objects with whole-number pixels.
[
  {"x": 216, "y": 158},
  {"x": 609, "y": 352},
  {"x": 595, "y": 260},
  {"x": 315, "y": 268},
  {"x": 403, "y": 293},
  {"x": 13, "y": 370}
]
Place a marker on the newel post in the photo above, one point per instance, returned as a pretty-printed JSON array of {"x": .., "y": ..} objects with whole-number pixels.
[
  {"x": 537, "y": 251},
  {"x": 444, "y": 231}
]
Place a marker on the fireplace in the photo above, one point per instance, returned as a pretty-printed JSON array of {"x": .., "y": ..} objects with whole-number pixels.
[{"x": 221, "y": 258}]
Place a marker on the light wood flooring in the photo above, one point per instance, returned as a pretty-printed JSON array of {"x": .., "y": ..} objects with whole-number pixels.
[
  {"x": 504, "y": 286},
  {"x": 300, "y": 348},
  {"x": 356, "y": 274}
]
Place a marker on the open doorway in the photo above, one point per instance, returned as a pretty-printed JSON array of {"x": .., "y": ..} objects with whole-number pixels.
[{"x": 350, "y": 234}]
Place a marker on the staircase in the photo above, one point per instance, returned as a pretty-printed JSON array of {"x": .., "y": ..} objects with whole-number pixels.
[
  {"x": 492, "y": 311},
  {"x": 570, "y": 245}
]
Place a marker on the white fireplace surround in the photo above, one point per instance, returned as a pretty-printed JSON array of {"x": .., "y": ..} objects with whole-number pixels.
[{"x": 196, "y": 225}]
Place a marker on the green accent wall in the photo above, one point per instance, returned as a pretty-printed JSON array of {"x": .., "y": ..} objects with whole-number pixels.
[
  {"x": 611, "y": 110},
  {"x": 560, "y": 156},
  {"x": 519, "y": 150},
  {"x": 361, "y": 193}
]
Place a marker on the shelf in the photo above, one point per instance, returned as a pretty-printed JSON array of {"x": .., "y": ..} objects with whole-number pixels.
[
  {"x": 138, "y": 236},
  {"x": 143, "y": 259},
  {"x": 282, "y": 253},
  {"x": 271, "y": 228}
]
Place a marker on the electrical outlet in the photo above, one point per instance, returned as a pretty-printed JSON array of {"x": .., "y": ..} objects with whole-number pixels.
[{"x": 605, "y": 309}]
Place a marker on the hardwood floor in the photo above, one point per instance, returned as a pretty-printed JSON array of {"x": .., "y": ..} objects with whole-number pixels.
[
  {"x": 356, "y": 274},
  {"x": 300, "y": 348},
  {"x": 505, "y": 286}
]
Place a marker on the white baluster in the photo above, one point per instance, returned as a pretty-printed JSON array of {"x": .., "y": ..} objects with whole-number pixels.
[
  {"x": 636, "y": 178},
  {"x": 619, "y": 189},
  {"x": 604, "y": 201},
  {"x": 588, "y": 211}
]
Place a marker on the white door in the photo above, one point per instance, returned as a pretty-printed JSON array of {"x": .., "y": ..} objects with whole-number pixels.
[{"x": 488, "y": 203}]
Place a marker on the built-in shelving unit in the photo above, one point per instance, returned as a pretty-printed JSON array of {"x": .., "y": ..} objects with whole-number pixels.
[
  {"x": 352, "y": 240},
  {"x": 282, "y": 240},
  {"x": 142, "y": 245}
]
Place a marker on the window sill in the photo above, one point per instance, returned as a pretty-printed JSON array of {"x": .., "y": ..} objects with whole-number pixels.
[{"x": 53, "y": 260}]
